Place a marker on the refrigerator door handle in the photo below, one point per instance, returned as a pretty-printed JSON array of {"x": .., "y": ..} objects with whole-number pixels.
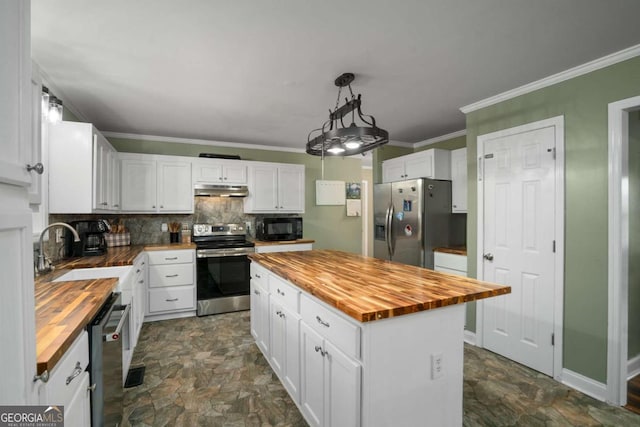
[{"x": 389, "y": 230}]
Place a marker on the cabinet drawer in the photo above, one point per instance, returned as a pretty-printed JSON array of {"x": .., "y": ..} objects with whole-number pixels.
[
  {"x": 171, "y": 299},
  {"x": 450, "y": 261},
  {"x": 57, "y": 390},
  {"x": 284, "y": 293},
  {"x": 170, "y": 257},
  {"x": 170, "y": 275},
  {"x": 342, "y": 333},
  {"x": 259, "y": 274}
]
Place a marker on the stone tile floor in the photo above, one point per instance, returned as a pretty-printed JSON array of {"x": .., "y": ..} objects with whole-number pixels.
[{"x": 207, "y": 371}]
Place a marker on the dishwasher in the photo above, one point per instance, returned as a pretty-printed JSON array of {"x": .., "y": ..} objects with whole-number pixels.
[{"x": 105, "y": 366}]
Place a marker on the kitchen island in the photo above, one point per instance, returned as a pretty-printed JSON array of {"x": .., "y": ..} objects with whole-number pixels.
[{"x": 361, "y": 341}]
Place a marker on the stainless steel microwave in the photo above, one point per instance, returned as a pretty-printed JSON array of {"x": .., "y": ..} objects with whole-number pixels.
[{"x": 278, "y": 229}]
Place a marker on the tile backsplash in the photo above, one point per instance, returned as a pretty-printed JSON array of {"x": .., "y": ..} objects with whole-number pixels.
[{"x": 147, "y": 228}]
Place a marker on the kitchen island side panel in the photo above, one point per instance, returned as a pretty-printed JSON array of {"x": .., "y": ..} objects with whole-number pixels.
[{"x": 398, "y": 386}]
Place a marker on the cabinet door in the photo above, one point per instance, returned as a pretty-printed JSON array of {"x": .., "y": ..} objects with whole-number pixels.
[
  {"x": 419, "y": 165},
  {"x": 78, "y": 411},
  {"x": 342, "y": 388},
  {"x": 291, "y": 377},
  {"x": 35, "y": 147},
  {"x": 263, "y": 189},
  {"x": 291, "y": 189},
  {"x": 312, "y": 376},
  {"x": 175, "y": 190},
  {"x": 139, "y": 185},
  {"x": 459, "y": 180},
  {"x": 207, "y": 171},
  {"x": 393, "y": 170},
  {"x": 114, "y": 181},
  {"x": 235, "y": 174},
  {"x": 277, "y": 329},
  {"x": 101, "y": 173}
]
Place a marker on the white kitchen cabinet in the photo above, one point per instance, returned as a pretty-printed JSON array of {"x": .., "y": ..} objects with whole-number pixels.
[
  {"x": 459, "y": 181},
  {"x": 156, "y": 184},
  {"x": 68, "y": 384},
  {"x": 330, "y": 382},
  {"x": 450, "y": 263},
  {"x": 275, "y": 188},
  {"x": 139, "y": 297},
  {"x": 35, "y": 147},
  {"x": 215, "y": 171},
  {"x": 171, "y": 287},
  {"x": 260, "y": 307},
  {"x": 81, "y": 168},
  {"x": 433, "y": 163}
]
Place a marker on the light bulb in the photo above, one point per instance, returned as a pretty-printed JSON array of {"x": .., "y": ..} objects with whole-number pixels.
[
  {"x": 335, "y": 148},
  {"x": 352, "y": 145}
]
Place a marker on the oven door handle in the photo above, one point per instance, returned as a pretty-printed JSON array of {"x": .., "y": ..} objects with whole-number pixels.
[
  {"x": 221, "y": 255},
  {"x": 115, "y": 335}
]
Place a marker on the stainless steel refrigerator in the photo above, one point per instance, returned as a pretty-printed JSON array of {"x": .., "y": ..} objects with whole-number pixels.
[{"x": 410, "y": 219}]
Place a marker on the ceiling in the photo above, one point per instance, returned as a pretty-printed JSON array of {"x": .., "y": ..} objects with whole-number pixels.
[{"x": 262, "y": 71}]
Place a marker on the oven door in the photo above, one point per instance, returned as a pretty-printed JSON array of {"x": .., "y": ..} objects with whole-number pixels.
[{"x": 220, "y": 276}]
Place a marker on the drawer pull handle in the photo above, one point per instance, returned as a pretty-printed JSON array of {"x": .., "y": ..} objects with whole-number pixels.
[
  {"x": 44, "y": 377},
  {"x": 280, "y": 292},
  {"x": 322, "y": 322},
  {"x": 322, "y": 352},
  {"x": 76, "y": 371},
  {"x": 171, "y": 300},
  {"x": 173, "y": 258},
  {"x": 171, "y": 275}
]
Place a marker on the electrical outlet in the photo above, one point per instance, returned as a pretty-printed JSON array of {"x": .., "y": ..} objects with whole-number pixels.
[
  {"x": 247, "y": 225},
  {"x": 437, "y": 369},
  {"x": 58, "y": 235},
  {"x": 165, "y": 228}
]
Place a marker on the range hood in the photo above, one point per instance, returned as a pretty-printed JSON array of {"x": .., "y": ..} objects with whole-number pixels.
[{"x": 214, "y": 190}]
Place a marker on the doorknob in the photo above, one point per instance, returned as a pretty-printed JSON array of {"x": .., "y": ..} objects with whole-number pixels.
[{"x": 488, "y": 256}]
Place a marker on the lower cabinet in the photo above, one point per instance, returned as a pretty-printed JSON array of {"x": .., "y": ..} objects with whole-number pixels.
[
  {"x": 450, "y": 263},
  {"x": 171, "y": 285},
  {"x": 259, "y": 307},
  {"x": 68, "y": 384},
  {"x": 330, "y": 382}
]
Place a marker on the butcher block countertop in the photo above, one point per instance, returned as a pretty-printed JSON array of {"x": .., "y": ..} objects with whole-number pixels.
[
  {"x": 283, "y": 242},
  {"x": 455, "y": 250},
  {"x": 63, "y": 309},
  {"x": 368, "y": 289}
]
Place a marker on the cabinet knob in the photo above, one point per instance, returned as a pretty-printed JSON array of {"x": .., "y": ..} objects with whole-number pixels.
[
  {"x": 141, "y": 281},
  {"x": 257, "y": 292},
  {"x": 154, "y": 206},
  {"x": 220, "y": 178},
  {"x": 225, "y": 178},
  {"x": 92, "y": 387},
  {"x": 161, "y": 207},
  {"x": 37, "y": 168},
  {"x": 44, "y": 377}
]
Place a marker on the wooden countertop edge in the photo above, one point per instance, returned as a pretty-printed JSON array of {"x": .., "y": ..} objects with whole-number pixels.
[{"x": 282, "y": 242}]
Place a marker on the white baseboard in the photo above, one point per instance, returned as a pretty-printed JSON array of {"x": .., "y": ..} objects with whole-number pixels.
[
  {"x": 470, "y": 337},
  {"x": 633, "y": 367},
  {"x": 584, "y": 384},
  {"x": 168, "y": 316}
]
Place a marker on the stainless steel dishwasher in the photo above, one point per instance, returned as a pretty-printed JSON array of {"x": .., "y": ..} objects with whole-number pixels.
[{"x": 105, "y": 368}]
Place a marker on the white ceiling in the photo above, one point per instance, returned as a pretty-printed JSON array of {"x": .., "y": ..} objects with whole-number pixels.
[{"x": 262, "y": 71}]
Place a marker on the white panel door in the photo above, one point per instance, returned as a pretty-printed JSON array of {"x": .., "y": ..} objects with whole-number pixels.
[{"x": 519, "y": 212}]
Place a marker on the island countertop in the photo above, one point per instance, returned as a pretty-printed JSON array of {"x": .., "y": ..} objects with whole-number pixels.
[{"x": 368, "y": 289}]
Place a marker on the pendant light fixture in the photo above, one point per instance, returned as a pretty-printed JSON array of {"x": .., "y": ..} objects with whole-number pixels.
[{"x": 335, "y": 138}]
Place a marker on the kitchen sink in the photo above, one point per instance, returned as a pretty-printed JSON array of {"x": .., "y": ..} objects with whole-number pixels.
[{"x": 96, "y": 273}]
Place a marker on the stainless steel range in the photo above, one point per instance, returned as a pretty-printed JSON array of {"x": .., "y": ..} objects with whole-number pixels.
[{"x": 222, "y": 267}]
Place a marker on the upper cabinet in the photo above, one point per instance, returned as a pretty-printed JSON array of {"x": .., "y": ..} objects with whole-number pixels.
[
  {"x": 215, "y": 171},
  {"x": 275, "y": 188},
  {"x": 83, "y": 170},
  {"x": 156, "y": 184},
  {"x": 459, "y": 181},
  {"x": 433, "y": 163}
]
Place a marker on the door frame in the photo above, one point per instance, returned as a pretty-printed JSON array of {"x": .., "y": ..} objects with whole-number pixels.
[
  {"x": 558, "y": 309},
  {"x": 618, "y": 249}
]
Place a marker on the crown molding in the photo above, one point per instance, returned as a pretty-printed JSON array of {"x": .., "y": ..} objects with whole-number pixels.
[
  {"x": 562, "y": 76},
  {"x": 199, "y": 142},
  {"x": 430, "y": 141},
  {"x": 400, "y": 144}
]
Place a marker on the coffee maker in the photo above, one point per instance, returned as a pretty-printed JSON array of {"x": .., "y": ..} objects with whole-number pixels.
[{"x": 92, "y": 241}]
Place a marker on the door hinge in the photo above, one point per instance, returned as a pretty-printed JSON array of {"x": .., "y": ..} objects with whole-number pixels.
[
  {"x": 553, "y": 339},
  {"x": 554, "y": 246},
  {"x": 553, "y": 151},
  {"x": 480, "y": 164}
]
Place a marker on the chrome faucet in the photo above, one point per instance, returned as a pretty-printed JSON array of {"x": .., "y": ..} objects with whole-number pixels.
[{"x": 43, "y": 265}]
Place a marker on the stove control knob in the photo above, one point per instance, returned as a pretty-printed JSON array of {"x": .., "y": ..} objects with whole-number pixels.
[{"x": 200, "y": 229}]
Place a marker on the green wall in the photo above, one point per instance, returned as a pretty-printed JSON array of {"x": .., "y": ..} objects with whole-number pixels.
[
  {"x": 634, "y": 235},
  {"x": 583, "y": 103},
  {"x": 327, "y": 225},
  {"x": 447, "y": 144}
]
